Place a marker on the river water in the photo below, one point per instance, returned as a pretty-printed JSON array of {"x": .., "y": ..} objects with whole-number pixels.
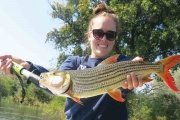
[{"x": 19, "y": 112}]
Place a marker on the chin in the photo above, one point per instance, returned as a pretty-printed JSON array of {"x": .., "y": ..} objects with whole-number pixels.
[{"x": 101, "y": 54}]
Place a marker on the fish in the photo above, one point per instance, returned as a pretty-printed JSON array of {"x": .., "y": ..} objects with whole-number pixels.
[{"x": 107, "y": 77}]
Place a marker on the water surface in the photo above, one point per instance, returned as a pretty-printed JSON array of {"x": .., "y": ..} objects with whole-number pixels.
[{"x": 19, "y": 112}]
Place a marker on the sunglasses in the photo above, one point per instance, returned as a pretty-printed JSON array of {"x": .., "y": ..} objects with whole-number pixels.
[{"x": 99, "y": 34}]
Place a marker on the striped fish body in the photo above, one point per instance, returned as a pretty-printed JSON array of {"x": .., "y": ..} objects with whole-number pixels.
[
  {"x": 106, "y": 78},
  {"x": 99, "y": 80}
]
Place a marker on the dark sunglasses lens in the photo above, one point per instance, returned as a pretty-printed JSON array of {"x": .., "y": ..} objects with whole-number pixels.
[
  {"x": 98, "y": 34},
  {"x": 111, "y": 35}
]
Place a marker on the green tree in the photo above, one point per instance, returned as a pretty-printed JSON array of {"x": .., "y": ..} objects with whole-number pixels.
[
  {"x": 6, "y": 84},
  {"x": 70, "y": 38},
  {"x": 153, "y": 106},
  {"x": 149, "y": 27}
]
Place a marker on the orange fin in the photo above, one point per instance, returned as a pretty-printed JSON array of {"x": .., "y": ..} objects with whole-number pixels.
[
  {"x": 168, "y": 63},
  {"x": 77, "y": 100},
  {"x": 116, "y": 94},
  {"x": 109, "y": 60}
]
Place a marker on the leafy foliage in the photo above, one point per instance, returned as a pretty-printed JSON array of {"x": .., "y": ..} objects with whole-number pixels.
[
  {"x": 6, "y": 86},
  {"x": 149, "y": 28},
  {"x": 10, "y": 93},
  {"x": 153, "y": 107}
]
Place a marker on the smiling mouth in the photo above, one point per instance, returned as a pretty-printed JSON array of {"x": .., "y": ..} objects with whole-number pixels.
[{"x": 102, "y": 46}]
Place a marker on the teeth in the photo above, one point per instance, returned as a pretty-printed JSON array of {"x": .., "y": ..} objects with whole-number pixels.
[{"x": 103, "y": 46}]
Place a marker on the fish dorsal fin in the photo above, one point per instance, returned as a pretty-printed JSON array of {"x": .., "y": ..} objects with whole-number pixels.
[{"x": 109, "y": 60}]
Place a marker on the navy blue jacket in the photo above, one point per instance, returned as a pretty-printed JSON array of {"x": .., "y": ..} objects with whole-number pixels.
[{"x": 101, "y": 107}]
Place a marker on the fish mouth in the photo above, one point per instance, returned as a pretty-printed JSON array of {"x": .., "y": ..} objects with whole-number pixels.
[
  {"x": 61, "y": 82},
  {"x": 56, "y": 82}
]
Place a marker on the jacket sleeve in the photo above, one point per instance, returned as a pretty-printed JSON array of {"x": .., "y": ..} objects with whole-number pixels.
[
  {"x": 71, "y": 63},
  {"x": 36, "y": 69}
]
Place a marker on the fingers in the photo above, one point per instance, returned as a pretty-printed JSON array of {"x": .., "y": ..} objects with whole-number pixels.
[
  {"x": 129, "y": 82},
  {"x": 140, "y": 80},
  {"x": 133, "y": 80},
  {"x": 137, "y": 59},
  {"x": 8, "y": 66},
  {"x": 5, "y": 65},
  {"x": 2, "y": 57}
]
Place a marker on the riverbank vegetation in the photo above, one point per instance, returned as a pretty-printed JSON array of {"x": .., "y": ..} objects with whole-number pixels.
[{"x": 52, "y": 107}]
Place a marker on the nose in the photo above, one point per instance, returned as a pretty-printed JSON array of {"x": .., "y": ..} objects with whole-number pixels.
[{"x": 104, "y": 38}]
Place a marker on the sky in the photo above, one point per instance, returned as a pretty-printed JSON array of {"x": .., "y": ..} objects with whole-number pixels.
[{"x": 24, "y": 25}]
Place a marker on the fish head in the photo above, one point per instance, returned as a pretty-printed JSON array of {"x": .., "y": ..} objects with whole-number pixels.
[{"x": 55, "y": 81}]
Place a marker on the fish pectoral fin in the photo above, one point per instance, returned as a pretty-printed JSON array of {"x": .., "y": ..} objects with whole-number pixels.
[
  {"x": 110, "y": 60},
  {"x": 116, "y": 95},
  {"x": 77, "y": 100}
]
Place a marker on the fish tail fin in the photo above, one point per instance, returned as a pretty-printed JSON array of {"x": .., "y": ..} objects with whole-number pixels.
[{"x": 168, "y": 63}]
